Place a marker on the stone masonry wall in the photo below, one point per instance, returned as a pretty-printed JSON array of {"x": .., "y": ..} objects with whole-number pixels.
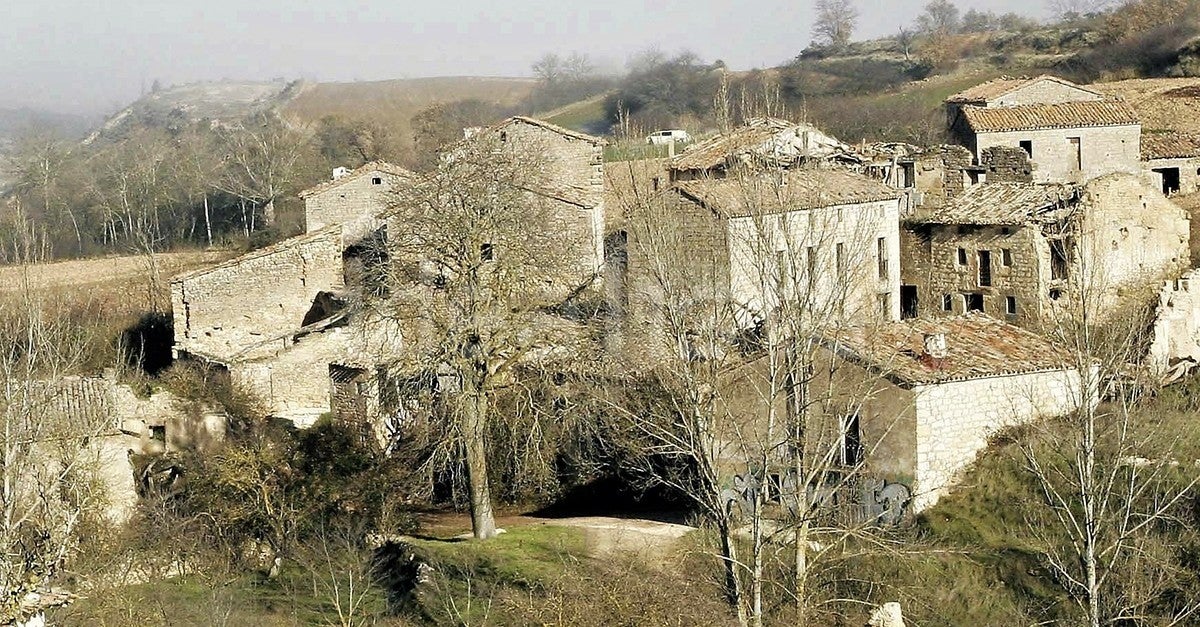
[
  {"x": 956, "y": 419},
  {"x": 1189, "y": 173},
  {"x": 1045, "y": 92},
  {"x": 1103, "y": 150},
  {"x": 1006, "y": 164},
  {"x": 224, "y": 310},
  {"x": 931, "y": 264},
  {"x": 352, "y": 204}
]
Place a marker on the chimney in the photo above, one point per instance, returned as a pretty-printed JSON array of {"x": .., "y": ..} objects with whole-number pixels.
[
  {"x": 339, "y": 172},
  {"x": 934, "y": 351}
]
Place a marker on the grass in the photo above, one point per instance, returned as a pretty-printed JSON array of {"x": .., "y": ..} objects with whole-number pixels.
[{"x": 586, "y": 115}]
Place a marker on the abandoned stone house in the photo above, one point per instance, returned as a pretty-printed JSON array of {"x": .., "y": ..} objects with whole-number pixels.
[
  {"x": 761, "y": 143},
  {"x": 352, "y": 198},
  {"x": 923, "y": 397},
  {"x": 823, "y": 236},
  {"x": 1014, "y": 250},
  {"x": 1071, "y": 133},
  {"x": 278, "y": 318},
  {"x": 1172, "y": 161}
]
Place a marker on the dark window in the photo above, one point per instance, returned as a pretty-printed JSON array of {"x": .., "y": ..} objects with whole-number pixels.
[
  {"x": 1027, "y": 146},
  {"x": 487, "y": 252},
  {"x": 654, "y": 183},
  {"x": 1170, "y": 179},
  {"x": 972, "y": 302},
  {"x": 376, "y": 181},
  {"x": 1058, "y": 259},
  {"x": 811, "y": 262},
  {"x": 985, "y": 268},
  {"x": 158, "y": 433},
  {"x": 947, "y": 302},
  {"x": 841, "y": 260},
  {"x": 852, "y": 449},
  {"x": 1055, "y": 294},
  {"x": 503, "y": 136},
  {"x": 1006, "y": 257},
  {"x": 962, "y": 256},
  {"x": 1010, "y": 305},
  {"x": 908, "y": 301},
  {"x": 883, "y": 259}
]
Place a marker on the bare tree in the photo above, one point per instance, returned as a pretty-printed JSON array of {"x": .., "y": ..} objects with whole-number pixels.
[
  {"x": 261, "y": 161},
  {"x": 47, "y": 439},
  {"x": 1104, "y": 487},
  {"x": 834, "y": 23},
  {"x": 479, "y": 257}
]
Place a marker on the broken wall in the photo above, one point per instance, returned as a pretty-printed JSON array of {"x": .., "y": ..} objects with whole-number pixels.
[{"x": 1102, "y": 150}]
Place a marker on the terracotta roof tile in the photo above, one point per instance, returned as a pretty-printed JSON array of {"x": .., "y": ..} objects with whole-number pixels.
[
  {"x": 1170, "y": 145},
  {"x": 1000, "y": 204},
  {"x": 1042, "y": 116},
  {"x": 803, "y": 189},
  {"x": 366, "y": 168},
  {"x": 978, "y": 347}
]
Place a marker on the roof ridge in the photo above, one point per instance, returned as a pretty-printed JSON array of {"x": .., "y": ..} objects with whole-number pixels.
[{"x": 370, "y": 166}]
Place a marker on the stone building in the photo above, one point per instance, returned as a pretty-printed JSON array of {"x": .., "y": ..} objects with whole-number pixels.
[
  {"x": 760, "y": 143},
  {"x": 1014, "y": 250},
  {"x": 1172, "y": 161},
  {"x": 828, "y": 232},
  {"x": 352, "y": 198},
  {"x": 1070, "y": 133},
  {"x": 939, "y": 389},
  {"x": 572, "y": 170}
]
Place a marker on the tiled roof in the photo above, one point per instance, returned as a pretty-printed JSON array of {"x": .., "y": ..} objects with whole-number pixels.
[
  {"x": 995, "y": 88},
  {"x": 1041, "y": 116},
  {"x": 802, "y": 189},
  {"x": 366, "y": 168},
  {"x": 772, "y": 137},
  {"x": 977, "y": 347},
  {"x": 1170, "y": 145},
  {"x": 1000, "y": 204}
]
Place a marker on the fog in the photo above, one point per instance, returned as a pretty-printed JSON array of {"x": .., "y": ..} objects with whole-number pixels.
[{"x": 88, "y": 56}]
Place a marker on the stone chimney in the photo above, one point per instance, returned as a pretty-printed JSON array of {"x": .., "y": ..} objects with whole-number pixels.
[
  {"x": 934, "y": 350},
  {"x": 339, "y": 172}
]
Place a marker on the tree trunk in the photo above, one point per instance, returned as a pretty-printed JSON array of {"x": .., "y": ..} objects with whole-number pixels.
[
  {"x": 207, "y": 221},
  {"x": 733, "y": 584},
  {"x": 474, "y": 426}
]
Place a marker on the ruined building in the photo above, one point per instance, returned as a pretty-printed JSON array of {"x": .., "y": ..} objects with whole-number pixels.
[{"x": 1014, "y": 250}]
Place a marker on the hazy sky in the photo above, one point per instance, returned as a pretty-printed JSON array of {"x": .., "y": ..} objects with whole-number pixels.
[{"x": 92, "y": 56}]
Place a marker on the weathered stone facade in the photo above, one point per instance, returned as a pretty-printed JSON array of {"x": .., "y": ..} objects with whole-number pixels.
[
  {"x": 1014, "y": 251},
  {"x": 353, "y": 199},
  {"x": 255, "y": 302},
  {"x": 1072, "y": 154}
]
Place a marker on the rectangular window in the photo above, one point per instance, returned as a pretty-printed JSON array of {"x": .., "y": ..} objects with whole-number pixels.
[
  {"x": 487, "y": 252},
  {"x": 851, "y": 449},
  {"x": 885, "y": 306},
  {"x": 985, "y": 268},
  {"x": 1075, "y": 153},
  {"x": 841, "y": 260},
  {"x": 782, "y": 275},
  {"x": 1006, "y": 257},
  {"x": 908, "y": 301},
  {"x": 962, "y": 256},
  {"x": 158, "y": 433},
  {"x": 1058, "y": 259},
  {"x": 972, "y": 302},
  {"x": 377, "y": 181},
  {"x": 947, "y": 302},
  {"x": 1027, "y": 146},
  {"x": 1010, "y": 305},
  {"x": 881, "y": 251}
]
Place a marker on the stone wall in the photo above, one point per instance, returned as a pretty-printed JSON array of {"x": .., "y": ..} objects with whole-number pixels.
[
  {"x": 941, "y": 174},
  {"x": 1176, "y": 331},
  {"x": 931, "y": 263},
  {"x": 353, "y": 203},
  {"x": 295, "y": 381},
  {"x": 1189, "y": 174},
  {"x": 1006, "y": 164},
  {"x": 758, "y": 245},
  {"x": 256, "y": 299},
  {"x": 956, "y": 419},
  {"x": 1103, "y": 150}
]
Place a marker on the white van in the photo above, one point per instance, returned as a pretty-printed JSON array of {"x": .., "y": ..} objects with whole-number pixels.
[{"x": 666, "y": 137}]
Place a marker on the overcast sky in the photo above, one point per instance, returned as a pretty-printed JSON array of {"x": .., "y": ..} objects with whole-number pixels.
[{"x": 91, "y": 56}]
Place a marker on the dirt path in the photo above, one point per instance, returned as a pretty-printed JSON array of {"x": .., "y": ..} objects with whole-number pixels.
[{"x": 603, "y": 535}]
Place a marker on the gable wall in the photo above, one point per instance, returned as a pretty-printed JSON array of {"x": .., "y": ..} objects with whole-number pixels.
[
  {"x": 354, "y": 204},
  {"x": 1045, "y": 92},
  {"x": 1104, "y": 150}
]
